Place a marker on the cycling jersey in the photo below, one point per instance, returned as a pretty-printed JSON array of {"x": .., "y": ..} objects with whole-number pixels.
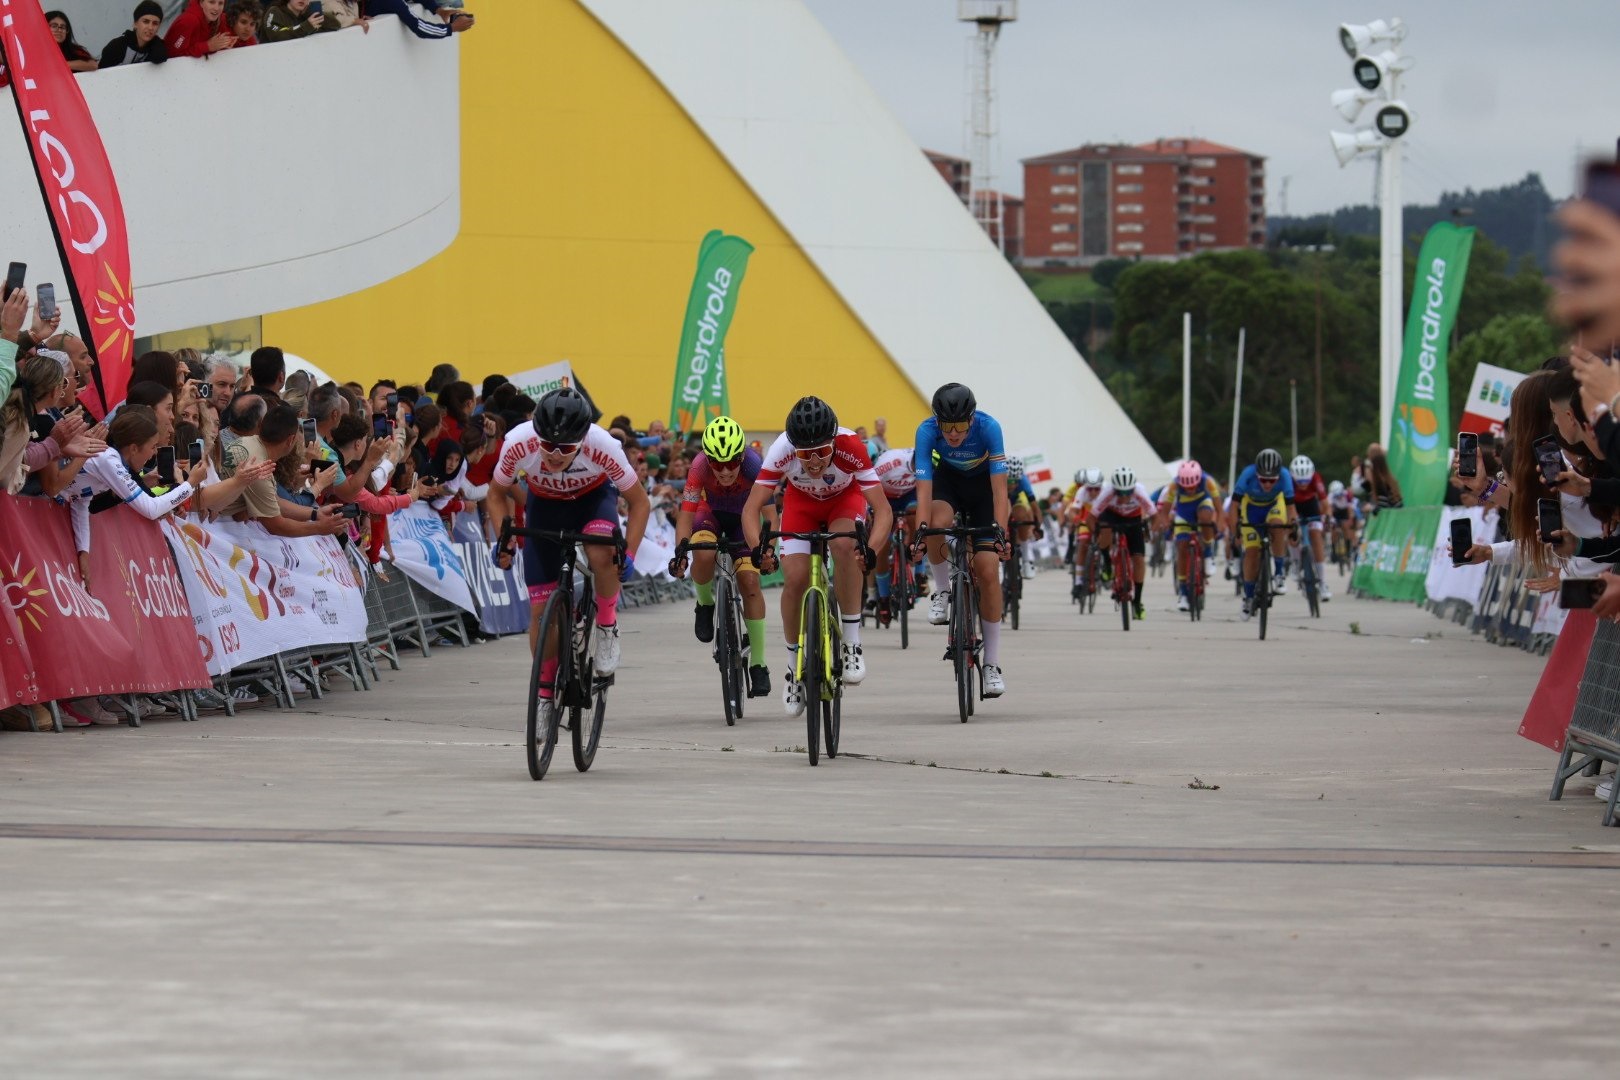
[
  {"x": 850, "y": 466},
  {"x": 1177, "y": 496},
  {"x": 893, "y": 469},
  {"x": 1310, "y": 496},
  {"x": 980, "y": 452},
  {"x": 702, "y": 486},
  {"x": 1019, "y": 487},
  {"x": 1248, "y": 487},
  {"x": 1080, "y": 501},
  {"x": 600, "y": 460},
  {"x": 1135, "y": 503}
]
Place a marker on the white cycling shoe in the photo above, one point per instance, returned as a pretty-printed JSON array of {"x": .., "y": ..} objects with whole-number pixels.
[
  {"x": 854, "y": 665},
  {"x": 939, "y": 608},
  {"x": 994, "y": 684},
  {"x": 1182, "y": 604},
  {"x": 1279, "y": 584},
  {"x": 607, "y": 648},
  {"x": 792, "y": 695}
]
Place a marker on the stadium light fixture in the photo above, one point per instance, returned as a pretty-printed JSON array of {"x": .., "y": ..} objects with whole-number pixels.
[
  {"x": 1358, "y": 38},
  {"x": 1349, "y": 103},
  {"x": 1348, "y": 145}
]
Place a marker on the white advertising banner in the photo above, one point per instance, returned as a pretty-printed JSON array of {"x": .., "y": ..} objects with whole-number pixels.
[
  {"x": 1447, "y": 582},
  {"x": 253, "y": 594},
  {"x": 1486, "y": 407},
  {"x": 421, "y": 546},
  {"x": 1036, "y": 467},
  {"x": 543, "y": 380}
]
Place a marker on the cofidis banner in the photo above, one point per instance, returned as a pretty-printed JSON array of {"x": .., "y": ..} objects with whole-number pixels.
[
  {"x": 1420, "y": 437},
  {"x": 700, "y": 380}
]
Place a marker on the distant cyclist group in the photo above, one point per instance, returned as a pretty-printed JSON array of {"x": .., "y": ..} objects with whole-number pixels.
[{"x": 954, "y": 519}]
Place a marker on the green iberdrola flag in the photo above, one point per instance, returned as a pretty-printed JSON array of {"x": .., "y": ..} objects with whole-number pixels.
[
  {"x": 700, "y": 370},
  {"x": 1420, "y": 434}
]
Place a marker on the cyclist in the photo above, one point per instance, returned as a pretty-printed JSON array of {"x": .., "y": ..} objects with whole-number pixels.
[
  {"x": 1262, "y": 496},
  {"x": 575, "y": 472},
  {"x": 1310, "y": 506},
  {"x": 830, "y": 486},
  {"x": 1087, "y": 489},
  {"x": 894, "y": 472},
  {"x": 717, "y": 488},
  {"x": 1189, "y": 506},
  {"x": 1023, "y": 503},
  {"x": 1126, "y": 506},
  {"x": 967, "y": 480},
  {"x": 1347, "y": 515}
]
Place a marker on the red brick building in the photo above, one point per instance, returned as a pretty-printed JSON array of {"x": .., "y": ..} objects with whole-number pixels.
[
  {"x": 957, "y": 172},
  {"x": 1165, "y": 199}
]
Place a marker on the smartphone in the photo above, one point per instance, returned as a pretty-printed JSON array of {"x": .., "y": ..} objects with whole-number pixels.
[
  {"x": 47, "y": 301},
  {"x": 1462, "y": 538},
  {"x": 1549, "y": 457},
  {"x": 1579, "y": 592},
  {"x": 314, "y": 7},
  {"x": 194, "y": 453},
  {"x": 1467, "y": 454},
  {"x": 204, "y": 389},
  {"x": 16, "y": 274},
  {"x": 1549, "y": 518},
  {"x": 309, "y": 430},
  {"x": 393, "y": 402},
  {"x": 165, "y": 465},
  {"x": 350, "y": 511},
  {"x": 381, "y": 427}
]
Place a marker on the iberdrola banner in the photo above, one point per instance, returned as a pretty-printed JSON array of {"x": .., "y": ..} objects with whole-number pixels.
[
  {"x": 700, "y": 383},
  {"x": 1420, "y": 436}
]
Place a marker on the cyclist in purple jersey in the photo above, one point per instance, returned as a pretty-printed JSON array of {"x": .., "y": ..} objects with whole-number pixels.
[{"x": 717, "y": 488}]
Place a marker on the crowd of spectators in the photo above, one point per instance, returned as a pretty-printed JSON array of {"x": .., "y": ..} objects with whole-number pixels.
[{"x": 206, "y": 27}]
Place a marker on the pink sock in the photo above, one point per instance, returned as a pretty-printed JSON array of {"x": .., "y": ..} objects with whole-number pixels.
[
  {"x": 548, "y": 674},
  {"x": 607, "y": 610}
]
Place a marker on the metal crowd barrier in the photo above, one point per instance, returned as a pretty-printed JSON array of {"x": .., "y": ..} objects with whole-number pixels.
[
  {"x": 1505, "y": 613},
  {"x": 1594, "y": 727}
]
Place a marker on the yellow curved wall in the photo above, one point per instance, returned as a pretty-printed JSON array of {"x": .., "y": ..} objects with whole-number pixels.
[{"x": 585, "y": 192}]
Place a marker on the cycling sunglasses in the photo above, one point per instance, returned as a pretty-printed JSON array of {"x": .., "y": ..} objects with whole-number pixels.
[
  {"x": 558, "y": 447},
  {"x": 955, "y": 427},
  {"x": 814, "y": 453},
  {"x": 1268, "y": 479}
]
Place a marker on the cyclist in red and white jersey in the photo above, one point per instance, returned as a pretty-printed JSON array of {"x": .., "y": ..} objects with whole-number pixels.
[
  {"x": 830, "y": 485},
  {"x": 1311, "y": 506},
  {"x": 893, "y": 468},
  {"x": 1127, "y": 506},
  {"x": 575, "y": 473}
]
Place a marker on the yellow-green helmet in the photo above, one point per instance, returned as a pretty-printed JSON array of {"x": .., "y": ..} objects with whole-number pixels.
[{"x": 723, "y": 439}]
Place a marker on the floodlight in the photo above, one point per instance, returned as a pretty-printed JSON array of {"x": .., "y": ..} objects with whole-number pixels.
[
  {"x": 1393, "y": 119},
  {"x": 1348, "y": 144},
  {"x": 1358, "y": 39},
  {"x": 1371, "y": 72},
  {"x": 1350, "y": 102}
]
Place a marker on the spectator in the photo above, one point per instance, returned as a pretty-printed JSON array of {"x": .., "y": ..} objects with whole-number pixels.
[
  {"x": 348, "y": 13},
  {"x": 77, "y": 56},
  {"x": 880, "y": 435},
  {"x": 158, "y": 398},
  {"x": 287, "y": 20},
  {"x": 327, "y": 407},
  {"x": 491, "y": 384},
  {"x": 448, "y": 23},
  {"x": 200, "y": 30},
  {"x": 456, "y": 403},
  {"x": 428, "y": 422},
  {"x": 1382, "y": 487},
  {"x": 443, "y": 375},
  {"x": 243, "y": 16},
  {"x": 221, "y": 375},
  {"x": 140, "y": 44},
  {"x": 163, "y": 368},
  {"x": 378, "y": 397},
  {"x": 277, "y": 440},
  {"x": 269, "y": 367},
  {"x": 34, "y": 389},
  {"x": 241, "y": 417}
]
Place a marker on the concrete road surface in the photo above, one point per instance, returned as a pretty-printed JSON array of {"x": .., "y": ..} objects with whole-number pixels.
[{"x": 1173, "y": 852}]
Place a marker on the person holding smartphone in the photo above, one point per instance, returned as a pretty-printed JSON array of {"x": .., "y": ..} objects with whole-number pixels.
[{"x": 289, "y": 20}]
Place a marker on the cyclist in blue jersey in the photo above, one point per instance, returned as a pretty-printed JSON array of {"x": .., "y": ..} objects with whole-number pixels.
[
  {"x": 1024, "y": 507},
  {"x": 1263, "y": 496},
  {"x": 960, "y": 466}
]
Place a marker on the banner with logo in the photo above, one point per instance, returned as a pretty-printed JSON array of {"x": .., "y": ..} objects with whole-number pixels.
[
  {"x": 1420, "y": 436},
  {"x": 1037, "y": 469},
  {"x": 254, "y": 594},
  {"x": 700, "y": 382},
  {"x": 536, "y": 382},
  {"x": 129, "y": 632},
  {"x": 500, "y": 595},
  {"x": 1486, "y": 408},
  {"x": 81, "y": 195},
  {"x": 1395, "y": 562},
  {"x": 1448, "y": 582},
  {"x": 421, "y": 546}
]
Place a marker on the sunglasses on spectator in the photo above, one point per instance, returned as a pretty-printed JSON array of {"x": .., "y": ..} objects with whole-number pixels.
[
  {"x": 558, "y": 447},
  {"x": 814, "y": 453},
  {"x": 955, "y": 427}
]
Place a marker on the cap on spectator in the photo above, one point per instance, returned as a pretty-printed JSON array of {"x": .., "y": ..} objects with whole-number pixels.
[
  {"x": 148, "y": 7},
  {"x": 654, "y": 462}
]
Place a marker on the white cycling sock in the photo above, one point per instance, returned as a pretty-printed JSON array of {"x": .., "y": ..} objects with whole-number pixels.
[
  {"x": 852, "y": 630},
  {"x": 942, "y": 575},
  {"x": 1321, "y": 571},
  {"x": 1027, "y": 549},
  {"x": 992, "y": 641}
]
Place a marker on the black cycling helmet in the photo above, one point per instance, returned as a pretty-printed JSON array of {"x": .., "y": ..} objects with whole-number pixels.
[
  {"x": 1268, "y": 464},
  {"x": 562, "y": 416},
  {"x": 811, "y": 422},
  {"x": 954, "y": 403}
]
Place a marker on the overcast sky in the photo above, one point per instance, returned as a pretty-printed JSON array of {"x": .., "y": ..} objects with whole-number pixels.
[{"x": 1500, "y": 87}]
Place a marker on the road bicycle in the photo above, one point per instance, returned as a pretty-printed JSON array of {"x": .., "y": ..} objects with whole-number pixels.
[
  {"x": 1087, "y": 580},
  {"x": 1012, "y": 591},
  {"x": 1262, "y": 579},
  {"x": 964, "y": 644},
  {"x": 1124, "y": 590},
  {"x": 902, "y": 583},
  {"x": 1190, "y": 550},
  {"x": 819, "y": 664},
  {"x": 730, "y": 629},
  {"x": 1308, "y": 583},
  {"x": 574, "y": 684}
]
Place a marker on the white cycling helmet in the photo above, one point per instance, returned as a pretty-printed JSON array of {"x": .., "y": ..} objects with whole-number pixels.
[
  {"x": 1124, "y": 478},
  {"x": 1015, "y": 465},
  {"x": 1094, "y": 478},
  {"x": 1080, "y": 476},
  {"x": 1303, "y": 468},
  {"x": 1336, "y": 488}
]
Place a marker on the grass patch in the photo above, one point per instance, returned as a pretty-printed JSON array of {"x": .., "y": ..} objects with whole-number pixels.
[{"x": 1053, "y": 288}]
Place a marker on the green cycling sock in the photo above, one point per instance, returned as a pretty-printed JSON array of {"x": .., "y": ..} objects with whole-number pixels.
[
  {"x": 705, "y": 593},
  {"x": 756, "y": 642}
]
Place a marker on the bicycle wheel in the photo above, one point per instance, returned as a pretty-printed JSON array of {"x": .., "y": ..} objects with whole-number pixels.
[
  {"x": 901, "y": 595},
  {"x": 545, "y": 715},
  {"x": 586, "y": 742},
  {"x": 974, "y": 645},
  {"x": 1262, "y": 594},
  {"x": 1012, "y": 583},
  {"x": 960, "y": 643},
  {"x": 1123, "y": 585},
  {"x": 725, "y": 643},
  {"x": 1313, "y": 597},
  {"x": 829, "y": 706},
  {"x": 810, "y": 657}
]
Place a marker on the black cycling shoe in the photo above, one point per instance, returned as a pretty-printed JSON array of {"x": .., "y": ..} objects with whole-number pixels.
[
  {"x": 759, "y": 681},
  {"x": 703, "y": 625}
]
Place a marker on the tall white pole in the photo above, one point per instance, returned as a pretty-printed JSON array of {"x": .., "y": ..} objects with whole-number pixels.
[
  {"x": 1186, "y": 385},
  {"x": 1293, "y": 416},
  {"x": 1390, "y": 269},
  {"x": 1237, "y": 411}
]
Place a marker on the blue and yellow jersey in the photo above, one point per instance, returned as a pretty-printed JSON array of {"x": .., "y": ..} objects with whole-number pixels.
[
  {"x": 1248, "y": 487},
  {"x": 1178, "y": 496},
  {"x": 982, "y": 451},
  {"x": 1020, "y": 486}
]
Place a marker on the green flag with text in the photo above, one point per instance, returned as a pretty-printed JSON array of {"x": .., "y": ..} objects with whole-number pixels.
[
  {"x": 1420, "y": 434},
  {"x": 700, "y": 372}
]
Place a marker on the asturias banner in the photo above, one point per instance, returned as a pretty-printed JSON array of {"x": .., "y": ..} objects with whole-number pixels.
[
  {"x": 1420, "y": 437},
  {"x": 80, "y": 192},
  {"x": 700, "y": 382}
]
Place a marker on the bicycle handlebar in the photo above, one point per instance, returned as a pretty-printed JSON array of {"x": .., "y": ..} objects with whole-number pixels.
[
  {"x": 967, "y": 531},
  {"x": 563, "y": 536},
  {"x": 857, "y": 533}
]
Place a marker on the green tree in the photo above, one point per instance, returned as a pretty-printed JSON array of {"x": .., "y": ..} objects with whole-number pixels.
[{"x": 1516, "y": 342}]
